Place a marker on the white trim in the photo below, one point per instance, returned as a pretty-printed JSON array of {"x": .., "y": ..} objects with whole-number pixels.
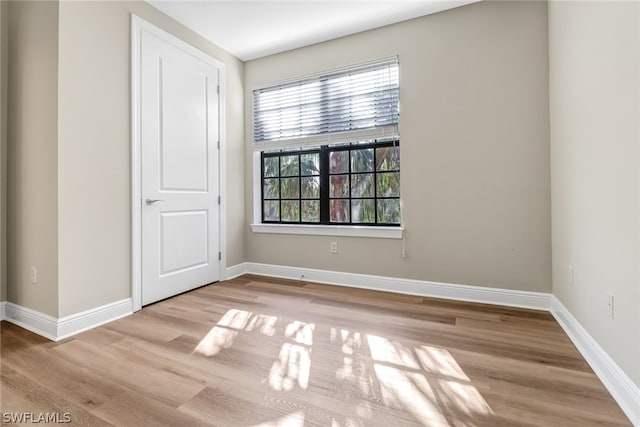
[
  {"x": 34, "y": 321},
  {"x": 137, "y": 26},
  {"x": 222, "y": 170},
  {"x": 2, "y": 310},
  {"x": 136, "y": 172},
  {"x": 89, "y": 319},
  {"x": 505, "y": 297},
  {"x": 330, "y": 230},
  {"x": 256, "y": 188},
  {"x": 236, "y": 270},
  {"x": 64, "y": 327},
  {"x": 621, "y": 387}
]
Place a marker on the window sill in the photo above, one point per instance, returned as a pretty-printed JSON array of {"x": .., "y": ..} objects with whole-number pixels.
[{"x": 330, "y": 230}]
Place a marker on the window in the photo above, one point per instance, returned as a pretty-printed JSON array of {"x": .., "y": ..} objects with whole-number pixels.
[
  {"x": 349, "y": 185},
  {"x": 329, "y": 148}
]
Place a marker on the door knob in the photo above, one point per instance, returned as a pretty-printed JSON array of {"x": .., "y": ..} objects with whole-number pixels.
[{"x": 152, "y": 201}]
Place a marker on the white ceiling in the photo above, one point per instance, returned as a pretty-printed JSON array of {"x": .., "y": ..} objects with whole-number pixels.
[{"x": 253, "y": 29}]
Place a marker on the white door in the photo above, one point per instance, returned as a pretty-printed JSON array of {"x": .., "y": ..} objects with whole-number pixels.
[{"x": 179, "y": 122}]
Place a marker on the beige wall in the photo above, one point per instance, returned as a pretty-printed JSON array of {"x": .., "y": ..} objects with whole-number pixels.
[
  {"x": 94, "y": 149},
  {"x": 3, "y": 150},
  {"x": 32, "y": 235},
  {"x": 475, "y": 149},
  {"x": 595, "y": 118}
]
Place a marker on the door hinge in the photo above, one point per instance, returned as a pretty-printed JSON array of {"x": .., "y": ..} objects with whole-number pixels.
[
  {"x": 218, "y": 89},
  {"x": 219, "y": 256},
  {"x": 218, "y": 144},
  {"x": 218, "y": 199}
]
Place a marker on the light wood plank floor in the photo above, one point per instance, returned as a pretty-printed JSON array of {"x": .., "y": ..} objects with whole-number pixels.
[{"x": 258, "y": 351}]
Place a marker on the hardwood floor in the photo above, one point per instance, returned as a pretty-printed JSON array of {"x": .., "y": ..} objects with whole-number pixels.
[{"x": 271, "y": 352}]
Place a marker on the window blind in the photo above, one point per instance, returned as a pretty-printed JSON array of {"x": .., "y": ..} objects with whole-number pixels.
[{"x": 355, "y": 104}]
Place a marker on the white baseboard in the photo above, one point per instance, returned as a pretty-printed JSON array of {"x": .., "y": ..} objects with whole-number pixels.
[
  {"x": 56, "y": 329},
  {"x": 89, "y": 319},
  {"x": 235, "y": 271},
  {"x": 34, "y": 321},
  {"x": 2, "y": 310},
  {"x": 505, "y": 297},
  {"x": 623, "y": 390}
]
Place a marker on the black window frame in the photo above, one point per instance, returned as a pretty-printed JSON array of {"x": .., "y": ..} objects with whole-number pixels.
[{"x": 324, "y": 183}]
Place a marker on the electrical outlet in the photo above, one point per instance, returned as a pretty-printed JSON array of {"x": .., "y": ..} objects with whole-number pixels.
[
  {"x": 571, "y": 274},
  {"x": 610, "y": 306},
  {"x": 334, "y": 247},
  {"x": 34, "y": 275}
]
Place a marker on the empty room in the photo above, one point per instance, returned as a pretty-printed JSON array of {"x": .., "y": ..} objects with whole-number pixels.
[{"x": 389, "y": 213}]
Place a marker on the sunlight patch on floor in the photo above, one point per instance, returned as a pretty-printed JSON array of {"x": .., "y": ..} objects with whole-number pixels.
[
  {"x": 263, "y": 323},
  {"x": 295, "y": 419},
  {"x": 224, "y": 333},
  {"x": 292, "y": 367},
  {"x": 350, "y": 342},
  {"x": 217, "y": 339},
  {"x": 465, "y": 398},
  {"x": 349, "y": 422},
  {"x": 236, "y": 319},
  {"x": 400, "y": 391},
  {"x": 385, "y": 350},
  {"x": 300, "y": 332},
  {"x": 430, "y": 385},
  {"x": 439, "y": 361},
  {"x": 422, "y": 380}
]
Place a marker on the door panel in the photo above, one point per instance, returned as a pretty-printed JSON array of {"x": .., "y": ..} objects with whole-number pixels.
[
  {"x": 184, "y": 128},
  {"x": 183, "y": 242},
  {"x": 179, "y": 134}
]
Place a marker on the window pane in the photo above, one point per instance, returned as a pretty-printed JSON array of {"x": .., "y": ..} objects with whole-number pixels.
[
  {"x": 362, "y": 185},
  {"x": 387, "y": 158},
  {"x": 311, "y": 187},
  {"x": 389, "y": 211},
  {"x": 289, "y": 165},
  {"x": 290, "y": 211},
  {"x": 270, "y": 166},
  {"x": 339, "y": 186},
  {"x": 290, "y": 188},
  {"x": 339, "y": 162},
  {"x": 271, "y": 188},
  {"x": 271, "y": 211},
  {"x": 339, "y": 210},
  {"x": 310, "y": 164},
  {"x": 363, "y": 211},
  {"x": 362, "y": 160},
  {"x": 388, "y": 184},
  {"x": 311, "y": 211}
]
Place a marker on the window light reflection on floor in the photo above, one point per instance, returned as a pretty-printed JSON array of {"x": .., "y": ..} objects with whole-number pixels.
[
  {"x": 292, "y": 367},
  {"x": 426, "y": 384},
  {"x": 294, "y": 361},
  {"x": 422, "y": 380},
  {"x": 295, "y": 419},
  {"x": 224, "y": 333}
]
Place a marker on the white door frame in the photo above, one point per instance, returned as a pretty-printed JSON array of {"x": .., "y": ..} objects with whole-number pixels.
[{"x": 139, "y": 25}]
